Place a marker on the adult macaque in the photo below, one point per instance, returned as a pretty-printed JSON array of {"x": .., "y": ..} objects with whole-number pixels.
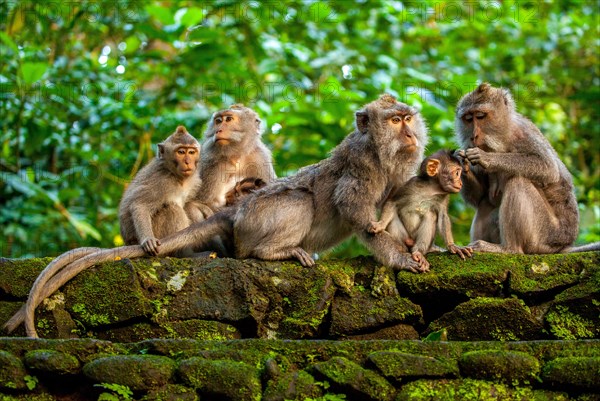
[
  {"x": 309, "y": 212},
  {"x": 412, "y": 213},
  {"x": 158, "y": 201},
  {"x": 232, "y": 151},
  {"x": 521, "y": 189}
]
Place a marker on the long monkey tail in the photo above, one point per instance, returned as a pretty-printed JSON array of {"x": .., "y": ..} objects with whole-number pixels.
[
  {"x": 46, "y": 274},
  {"x": 594, "y": 246},
  {"x": 196, "y": 235}
]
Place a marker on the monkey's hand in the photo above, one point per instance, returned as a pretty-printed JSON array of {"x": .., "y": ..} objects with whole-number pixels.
[
  {"x": 461, "y": 155},
  {"x": 478, "y": 156},
  {"x": 375, "y": 227},
  {"x": 150, "y": 246},
  {"x": 462, "y": 251},
  {"x": 420, "y": 259}
]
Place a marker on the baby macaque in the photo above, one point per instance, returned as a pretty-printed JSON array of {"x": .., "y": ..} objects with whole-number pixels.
[{"x": 412, "y": 213}]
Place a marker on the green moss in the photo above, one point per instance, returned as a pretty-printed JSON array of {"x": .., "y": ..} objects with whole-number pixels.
[
  {"x": 472, "y": 390},
  {"x": 17, "y": 276},
  {"x": 233, "y": 380},
  {"x": 504, "y": 366},
  {"x": 568, "y": 326},
  {"x": 398, "y": 365},
  {"x": 575, "y": 372},
  {"x": 51, "y": 361}
]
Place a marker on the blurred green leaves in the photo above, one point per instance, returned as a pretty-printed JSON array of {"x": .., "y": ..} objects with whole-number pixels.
[{"x": 86, "y": 86}]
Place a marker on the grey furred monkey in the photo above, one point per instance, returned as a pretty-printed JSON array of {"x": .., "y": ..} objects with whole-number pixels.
[
  {"x": 311, "y": 211},
  {"x": 522, "y": 191}
]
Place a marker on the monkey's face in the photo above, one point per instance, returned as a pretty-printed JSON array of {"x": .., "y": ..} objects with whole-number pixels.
[
  {"x": 450, "y": 178},
  {"x": 404, "y": 126},
  {"x": 186, "y": 160},
  {"x": 231, "y": 126},
  {"x": 483, "y": 119}
]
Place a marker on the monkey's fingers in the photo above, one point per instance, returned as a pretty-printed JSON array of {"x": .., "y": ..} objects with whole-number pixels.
[
  {"x": 151, "y": 245},
  {"x": 303, "y": 257}
]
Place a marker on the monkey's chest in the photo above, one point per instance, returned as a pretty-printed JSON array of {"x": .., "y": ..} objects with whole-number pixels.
[{"x": 413, "y": 216}]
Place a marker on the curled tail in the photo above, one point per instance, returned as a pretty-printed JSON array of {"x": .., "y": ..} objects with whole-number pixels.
[
  {"x": 46, "y": 274},
  {"x": 55, "y": 275}
]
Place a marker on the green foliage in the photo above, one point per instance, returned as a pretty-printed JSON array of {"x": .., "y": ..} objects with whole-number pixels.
[
  {"x": 31, "y": 382},
  {"x": 118, "y": 392},
  {"x": 88, "y": 87}
]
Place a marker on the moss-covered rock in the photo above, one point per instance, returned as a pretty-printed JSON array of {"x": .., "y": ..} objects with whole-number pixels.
[
  {"x": 360, "y": 311},
  {"x": 171, "y": 392},
  {"x": 17, "y": 275},
  {"x": 469, "y": 389},
  {"x": 399, "y": 365},
  {"x": 504, "y": 366},
  {"x": 489, "y": 319},
  {"x": 573, "y": 373},
  {"x": 52, "y": 362},
  {"x": 12, "y": 372},
  {"x": 138, "y": 372},
  {"x": 350, "y": 378},
  {"x": 396, "y": 332},
  {"x": 228, "y": 379},
  {"x": 293, "y": 386},
  {"x": 97, "y": 296}
]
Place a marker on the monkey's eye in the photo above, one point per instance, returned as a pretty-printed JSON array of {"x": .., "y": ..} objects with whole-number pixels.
[
  {"x": 407, "y": 118},
  {"x": 181, "y": 151},
  {"x": 479, "y": 115},
  {"x": 468, "y": 117},
  {"x": 192, "y": 151},
  {"x": 396, "y": 120},
  {"x": 228, "y": 118},
  {"x": 218, "y": 120}
]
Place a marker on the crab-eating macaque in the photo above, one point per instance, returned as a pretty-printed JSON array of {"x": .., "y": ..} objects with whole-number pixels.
[
  {"x": 414, "y": 211},
  {"x": 320, "y": 206},
  {"x": 159, "y": 200},
  {"x": 232, "y": 151},
  {"x": 521, "y": 189}
]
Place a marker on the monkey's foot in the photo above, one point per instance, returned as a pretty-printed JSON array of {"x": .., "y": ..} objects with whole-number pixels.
[
  {"x": 484, "y": 246},
  {"x": 405, "y": 262},
  {"x": 303, "y": 257},
  {"x": 420, "y": 259},
  {"x": 462, "y": 251}
]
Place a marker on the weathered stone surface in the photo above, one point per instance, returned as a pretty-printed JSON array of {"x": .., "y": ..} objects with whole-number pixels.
[
  {"x": 293, "y": 386},
  {"x": 489, "y": 319},
  {"x": 172, "y": 392},
  {"x": 467, "y": 389},
  {"x": 395, "y": 332},
  {"x": 92, "y": 296},
  {"x": 356, "y": 298},
  {"x": 398, "y": 365},
  {"x": 360, "y": 311},
  {"x": 352, "y": 379},
  {"x": 138, "y": 372},
  {"x": 574, "y": 372},
  {"x": 12, "y": 372},
  {"x": 52, "y": 361},
  {"x": 228, "y": 379},
  {"x": 503, "y": 366}
]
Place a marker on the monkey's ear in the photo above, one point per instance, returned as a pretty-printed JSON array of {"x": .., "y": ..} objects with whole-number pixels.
[
  {"x": 161, "y": 151},
  {"x": 362, "y": 121},
  {"x": 432, "y": 167}
]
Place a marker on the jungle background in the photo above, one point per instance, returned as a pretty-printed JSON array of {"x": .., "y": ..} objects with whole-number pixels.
[{"x": 88, "y": 88}]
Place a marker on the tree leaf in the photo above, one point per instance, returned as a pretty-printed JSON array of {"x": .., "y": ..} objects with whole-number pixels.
[{"x": 32, "y": 72}]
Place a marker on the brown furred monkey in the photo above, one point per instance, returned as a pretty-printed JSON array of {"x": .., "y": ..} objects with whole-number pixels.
[
  {"x": 232, "y": 151},
  {"x": 311, "y": 211},
  {"x": 158, "y": 201},
  {"x": 412, "y": 213},
  {"x": 521, "y": 189}
]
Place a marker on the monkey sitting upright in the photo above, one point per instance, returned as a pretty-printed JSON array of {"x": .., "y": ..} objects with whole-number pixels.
[
  {"x": 522, "y": 191},
  {"x": 412, "y": 213},
  {"x": 159, "y": 200}
]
